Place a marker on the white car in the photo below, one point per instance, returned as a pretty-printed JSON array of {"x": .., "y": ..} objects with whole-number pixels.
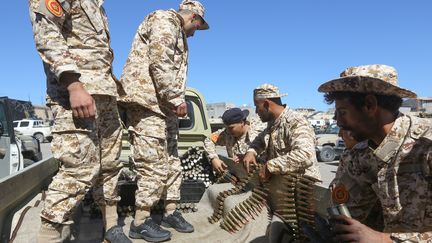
[{"x": 35, "y": 128}]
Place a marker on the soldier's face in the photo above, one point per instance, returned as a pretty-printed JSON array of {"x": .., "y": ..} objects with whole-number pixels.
[
  {"x": 353, "y": 120},
  {"x": 262, "y": 109},
  {"x": 236, "y": 129},
  {"x": 191, "y": 25}
]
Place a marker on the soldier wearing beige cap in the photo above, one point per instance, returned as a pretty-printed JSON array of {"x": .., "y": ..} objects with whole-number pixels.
[
  {"x": 391, "y": 166},
  {"x": 154, "y": 81},
  {"x": 287, "y": 145},
  {"x": 293, "y": 149}
]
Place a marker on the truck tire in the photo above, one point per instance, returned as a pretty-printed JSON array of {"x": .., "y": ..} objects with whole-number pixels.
[
  {"x": 327, "y": 154},
  {"x": 39, "y": 136}
]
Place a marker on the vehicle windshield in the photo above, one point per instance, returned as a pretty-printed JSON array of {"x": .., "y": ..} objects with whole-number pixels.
[{"x": 332, "y": 129}]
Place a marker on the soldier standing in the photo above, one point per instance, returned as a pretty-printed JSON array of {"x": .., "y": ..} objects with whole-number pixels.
[
  {"x": 393, "y": 163},
  {"x": 154, "y": 79},
  {"x": 73, "y": 41},
  {"x": 236, "y": 137}
]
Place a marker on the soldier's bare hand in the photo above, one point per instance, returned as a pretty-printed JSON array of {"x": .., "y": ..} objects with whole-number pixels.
[
  {"x": 218, "y": 165},
  {"x": 264, "y": 174},
  {"x": 238, "y": 158},
  {"x": 181, "y": 110},
  {"x": 82, "y": 103},
  {"x": 354, "y": 231},
  {"x": 249, "y": 160}
]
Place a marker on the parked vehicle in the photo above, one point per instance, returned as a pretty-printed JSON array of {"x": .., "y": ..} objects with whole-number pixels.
[
  {"x": 35, "y": 128},
  {"x": 326, "y": 142},
  {"x": 20, "y": 188},
  {"x": 17, "y": 150}
]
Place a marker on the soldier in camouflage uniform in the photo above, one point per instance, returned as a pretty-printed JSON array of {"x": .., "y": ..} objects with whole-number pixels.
[
  {"x": 287, "y": 144},
  {"x": 236, "y": 137},
  {"x": 288, "y": 141},
  {"x": 73, "y": 41},
  {"x": 393, "y": 163},
  {"x": 154, "y": 79}
]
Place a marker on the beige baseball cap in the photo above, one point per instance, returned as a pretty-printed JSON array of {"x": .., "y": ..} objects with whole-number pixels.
[
  {"x": 266, "y": 91},
  {"x": 376, "y": 78},
  {"x": 197, "y": 8}
]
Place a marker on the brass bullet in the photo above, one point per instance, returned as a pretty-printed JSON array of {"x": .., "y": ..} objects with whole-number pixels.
[{"x": 236, "y": 214}]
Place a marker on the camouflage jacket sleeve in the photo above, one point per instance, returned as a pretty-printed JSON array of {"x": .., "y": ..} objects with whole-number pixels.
[
  {"x": 217, "y": 138},
  {"x": 412, "y": 237},
  {"x": 258, "y": 145},
  {"x": 361, "y": 198},
  {"x": 48, "y": 36},
  {"x": 163, "y": 68},
  {"x": 300, "y": 156}
]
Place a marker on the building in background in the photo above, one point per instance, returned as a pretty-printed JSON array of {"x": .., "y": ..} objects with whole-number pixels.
[
  {"x": 417, "y": 106},
  {"x": 215, "y": 110},
  {"x": 44, "y": 113}
]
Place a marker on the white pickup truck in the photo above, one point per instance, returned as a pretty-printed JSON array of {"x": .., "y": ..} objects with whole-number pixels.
[{"x": 35, "y": 128}]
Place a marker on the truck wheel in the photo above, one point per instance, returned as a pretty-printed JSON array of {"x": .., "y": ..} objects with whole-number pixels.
[
  {"x": 327, "y": 154},
  {"x": 28, "y": 162},
  {"x": 40, "y": 137}
]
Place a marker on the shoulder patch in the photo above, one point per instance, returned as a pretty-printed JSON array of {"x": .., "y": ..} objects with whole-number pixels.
[
  {"x": 54, "y": 7},
  {"x": 214, "y": 137},
  {"x": 340, "y": 194}
]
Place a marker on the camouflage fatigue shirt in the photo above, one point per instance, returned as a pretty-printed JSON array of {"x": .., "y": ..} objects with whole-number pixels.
[
  {"x": 72, "y": 36},
  {"x": 233, "y": 145},
  {"x": 155, "y": 72},
  {"x": 398, "y": 174},
  {"x": 289, "y": 145}
]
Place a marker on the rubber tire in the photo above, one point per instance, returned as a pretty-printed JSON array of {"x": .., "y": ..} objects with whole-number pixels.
[
  {"x": 327, "y": 154},
  {"x": 40, "y": 137}
]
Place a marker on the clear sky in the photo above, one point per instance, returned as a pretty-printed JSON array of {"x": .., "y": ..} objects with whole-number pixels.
[{"x": 296, "y": 45}]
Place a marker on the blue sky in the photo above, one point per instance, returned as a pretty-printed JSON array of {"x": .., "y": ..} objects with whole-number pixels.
[{"x": 296, "y": 45}]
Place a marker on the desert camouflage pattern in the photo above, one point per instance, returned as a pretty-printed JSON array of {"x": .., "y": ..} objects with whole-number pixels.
[
  {"x": 154, "y": 150},
  {"x": 397, "y": 174},
  {"x": 88, "y": 152},
  {"x": 78, "y": 42},
  {"x": 288, "y": 144},
  {"x": 154, "y": 75},
  {"x": 266, "y": 91},
  {"x": 234, "y": 146},
  {"x": 377, "y": 78},
  {"x": 195, "y": 7}
]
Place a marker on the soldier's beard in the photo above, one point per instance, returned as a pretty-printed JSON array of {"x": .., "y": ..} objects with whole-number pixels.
[{"x": 356, "y": 135}]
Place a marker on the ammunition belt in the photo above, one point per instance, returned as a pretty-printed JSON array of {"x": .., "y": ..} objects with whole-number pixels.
[
  {"x": 227, "y": 177},
  {"x": 246, "y": 211},
  {"x": 238, "y": 187},
  {"x": 295, "y": 205}
]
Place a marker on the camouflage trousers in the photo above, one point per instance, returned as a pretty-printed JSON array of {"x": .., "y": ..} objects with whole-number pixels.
[
  {"x": 88, "y": 152},
  {"x": 154, "y": 150}
]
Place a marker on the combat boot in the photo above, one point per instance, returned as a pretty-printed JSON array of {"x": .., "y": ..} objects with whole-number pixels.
[
  {"x": 176, "y": 221},
  {"x": 116, "y": 235},
  {"x": 149, "y": 231}
]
